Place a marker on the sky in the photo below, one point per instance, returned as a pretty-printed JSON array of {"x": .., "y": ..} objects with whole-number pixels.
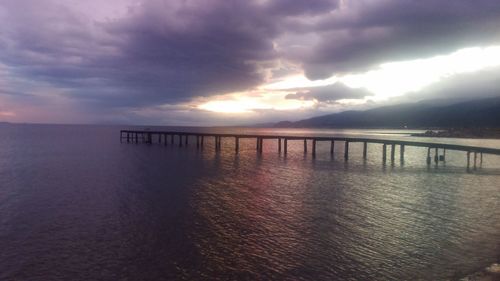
[{"x": 226, "y": 62}]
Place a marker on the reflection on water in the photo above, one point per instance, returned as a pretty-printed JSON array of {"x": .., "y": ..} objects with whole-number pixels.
[{"x": 75, "y": 204}]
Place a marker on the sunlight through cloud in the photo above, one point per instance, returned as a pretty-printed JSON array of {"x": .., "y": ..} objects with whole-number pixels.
[
  {"x": 240, "y": 103},
  {"x": 388, "y": 80},
  {"x": 397, "y": 78}
]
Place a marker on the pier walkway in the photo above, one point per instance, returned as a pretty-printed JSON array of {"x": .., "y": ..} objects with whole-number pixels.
[{"x": 169, "y": 137}]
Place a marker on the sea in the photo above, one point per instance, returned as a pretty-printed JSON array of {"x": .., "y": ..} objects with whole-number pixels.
[{"x": 78, "y": 204}]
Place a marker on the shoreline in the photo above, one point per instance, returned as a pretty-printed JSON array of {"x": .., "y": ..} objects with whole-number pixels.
[{"x": 469, "y": 133}]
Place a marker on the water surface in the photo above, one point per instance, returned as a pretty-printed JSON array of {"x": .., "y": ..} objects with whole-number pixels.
[{"x": 75, "y": 204}]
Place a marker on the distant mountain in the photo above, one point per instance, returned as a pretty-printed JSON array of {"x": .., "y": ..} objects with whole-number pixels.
[{"x": 472, "y": 113}]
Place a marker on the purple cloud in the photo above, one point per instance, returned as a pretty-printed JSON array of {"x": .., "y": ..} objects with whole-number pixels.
[
  {"x": 366, "y": 33},
  {"x": 168, "y": 52},
  {"x": 329, "y": 94}
]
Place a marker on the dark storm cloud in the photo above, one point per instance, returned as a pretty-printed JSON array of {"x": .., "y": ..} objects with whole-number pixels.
[
  {"x": 294, "y": 7},
  {"x": 208, "y": 49},
  {"x": 366, "y": 33},
  {"x": 329, "y": 94},
  {"x": 159, "y": 52}
]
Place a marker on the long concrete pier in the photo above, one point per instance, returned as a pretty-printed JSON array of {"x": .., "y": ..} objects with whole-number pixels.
[{"x": 170, "y": 137}]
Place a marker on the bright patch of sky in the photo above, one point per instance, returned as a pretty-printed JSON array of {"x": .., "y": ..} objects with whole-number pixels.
[
  {"x": 388, "y": 80},
  {"x": 243, "y": 103},
  {"x": 398, "y": 78}
]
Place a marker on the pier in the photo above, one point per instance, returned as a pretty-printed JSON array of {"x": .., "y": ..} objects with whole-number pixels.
[{"x": 182, "y": 138}]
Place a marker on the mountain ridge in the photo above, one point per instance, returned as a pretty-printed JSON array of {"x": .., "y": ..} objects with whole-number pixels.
[{"x": 425, "y": 114}]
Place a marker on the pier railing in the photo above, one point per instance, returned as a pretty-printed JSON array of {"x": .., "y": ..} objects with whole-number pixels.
[{"x": 169, "y": 137}]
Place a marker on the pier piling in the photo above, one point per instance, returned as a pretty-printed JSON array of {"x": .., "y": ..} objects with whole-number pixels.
[
  {"x": 346, "y": 151},
  {"x": 384, "y": 153},
  {"x": 313, "y": 148},
  {"x": 365, "y": 148},
  {"x": 148, "y": 137},
  {"x": 393, "y": 148},
  {"x": 402, "y": 153}
]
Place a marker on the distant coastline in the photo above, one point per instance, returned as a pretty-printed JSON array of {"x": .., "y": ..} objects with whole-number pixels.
[
  {"x": 476, "y": 133},
  {"x": 477, "y": 113}
]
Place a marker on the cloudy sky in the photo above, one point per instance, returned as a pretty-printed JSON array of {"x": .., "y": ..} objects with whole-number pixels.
[{"x": 224, "y": 62}]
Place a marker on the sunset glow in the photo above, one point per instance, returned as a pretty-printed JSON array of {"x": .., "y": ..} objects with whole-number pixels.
[
  {"x": 231, "y": 106},
  {"x": 388, "y": 80},
  {"x": 398, "y": 78},
  {"x": 241, "y": 103},
  {"x": 119, "y": 60},
  {"x": 298, "y": 81}
]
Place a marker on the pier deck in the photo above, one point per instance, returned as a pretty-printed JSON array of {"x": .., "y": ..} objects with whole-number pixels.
[{"x": 162, "y": 137}]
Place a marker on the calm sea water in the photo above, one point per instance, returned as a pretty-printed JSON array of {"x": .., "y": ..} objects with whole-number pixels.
[{"x": 75, "y": 204}]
